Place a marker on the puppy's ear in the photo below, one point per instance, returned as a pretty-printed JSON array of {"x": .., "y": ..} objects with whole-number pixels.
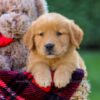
[
  {"x": 76, "y": 34},
  {"x": 28, "y": 38}
]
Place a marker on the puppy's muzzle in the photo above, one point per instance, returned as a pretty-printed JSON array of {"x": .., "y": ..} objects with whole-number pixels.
[{"x": 49, "y": 48}]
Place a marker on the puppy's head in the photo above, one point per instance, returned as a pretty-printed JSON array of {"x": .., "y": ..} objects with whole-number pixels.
[
  {"x": 14, "y": 25},
  {"x": 51, "y": 35}
]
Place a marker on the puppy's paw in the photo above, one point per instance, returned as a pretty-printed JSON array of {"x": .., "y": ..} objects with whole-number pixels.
[
  {"x": 43, "y": 79},
  {"x": 61, "y": 79}
]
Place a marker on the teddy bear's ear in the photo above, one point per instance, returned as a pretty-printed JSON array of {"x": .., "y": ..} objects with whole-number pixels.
[
  {"x": 28, "y": 38},
  {"x": 76, "y": 34},
  {"x": 41, "y": 6}
]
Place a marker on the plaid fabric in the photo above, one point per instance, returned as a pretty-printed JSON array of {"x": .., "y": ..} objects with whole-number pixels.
[{"x": 22, "y": 86}]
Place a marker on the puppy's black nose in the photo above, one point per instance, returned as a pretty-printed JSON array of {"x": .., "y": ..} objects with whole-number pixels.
[{"x": 49, "y": 46}]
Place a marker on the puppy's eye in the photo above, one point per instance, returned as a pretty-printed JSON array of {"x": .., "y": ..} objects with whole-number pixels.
[
  {"x": 58, "y": 33},
  {"x": 41, "y": 34}
]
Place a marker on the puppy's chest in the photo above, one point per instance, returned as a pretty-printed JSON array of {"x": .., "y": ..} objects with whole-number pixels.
[{"x": 54, "y": 64}]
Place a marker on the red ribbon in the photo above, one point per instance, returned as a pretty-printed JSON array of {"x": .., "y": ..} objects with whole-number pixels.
[{"x": 4, "y": 41}]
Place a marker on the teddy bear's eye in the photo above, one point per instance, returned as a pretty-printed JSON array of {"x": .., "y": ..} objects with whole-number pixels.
[
  {"x": 25, "y": 12},
  {"x": 15, "y": 10},
  {"x": 3, "y": 12},
  {"x": 41, "y": 34},
  {"x": 58, "y": 33}
]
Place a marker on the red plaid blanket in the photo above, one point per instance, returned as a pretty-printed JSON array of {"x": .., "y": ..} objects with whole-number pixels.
[{"x": 21, "y": 86}]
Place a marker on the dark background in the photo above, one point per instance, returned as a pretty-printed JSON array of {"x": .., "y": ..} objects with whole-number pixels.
[{"x": 86, "y": 13}]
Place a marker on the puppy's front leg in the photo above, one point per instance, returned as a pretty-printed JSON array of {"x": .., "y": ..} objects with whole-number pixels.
[
  {"x": 42, "y": 75},
  {"x": 62, "y": 75}
]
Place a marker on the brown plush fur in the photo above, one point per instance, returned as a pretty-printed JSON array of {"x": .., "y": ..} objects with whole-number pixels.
[
  {"x": 32, "y": 8},
  {"x": 3, "y": 7},
  {"x": 15, "y": 18},
  {"x": 53, "y": 28}
]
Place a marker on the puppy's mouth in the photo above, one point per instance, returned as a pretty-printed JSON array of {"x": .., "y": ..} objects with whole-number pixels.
[
  {"x": 50, "y": 54},
  {"x": 54, "y": 54}
]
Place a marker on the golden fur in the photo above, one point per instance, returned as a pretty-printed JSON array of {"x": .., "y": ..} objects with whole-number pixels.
[{"x": 66, "y": 36}]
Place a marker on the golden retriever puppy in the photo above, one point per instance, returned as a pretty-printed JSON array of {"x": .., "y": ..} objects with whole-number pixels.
[{"x": 52, "y": 41}]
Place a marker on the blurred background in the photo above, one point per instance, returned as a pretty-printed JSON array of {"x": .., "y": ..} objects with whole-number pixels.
[{"x": 86, "y": 13}]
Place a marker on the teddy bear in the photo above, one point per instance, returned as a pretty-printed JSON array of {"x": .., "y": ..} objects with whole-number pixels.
[{"x": 15, "y": 18}]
